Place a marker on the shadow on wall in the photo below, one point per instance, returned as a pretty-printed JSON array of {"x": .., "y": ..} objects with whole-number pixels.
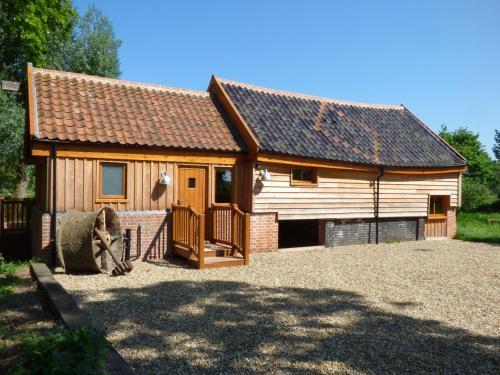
[{"x": 232, "y": 327}]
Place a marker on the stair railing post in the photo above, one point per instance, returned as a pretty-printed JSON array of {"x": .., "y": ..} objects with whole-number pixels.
[
  {"x": 201, "y": 242},
  {"x": 246, "y": 235},
  {"x": 233, "y": 228}
]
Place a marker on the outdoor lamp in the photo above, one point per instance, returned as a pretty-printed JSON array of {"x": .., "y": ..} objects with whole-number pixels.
[
  {"x": 265, "y": 175},
  {"x": 165, "y": 179}
]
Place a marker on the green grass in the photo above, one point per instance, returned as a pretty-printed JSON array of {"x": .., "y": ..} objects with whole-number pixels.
[
  {"x": 8, "y": 276},
  {"x": 474, "y": 227}
]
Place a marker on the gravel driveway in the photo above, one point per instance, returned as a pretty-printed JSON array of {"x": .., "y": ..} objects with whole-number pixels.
[{"x": 428, "y": 306}]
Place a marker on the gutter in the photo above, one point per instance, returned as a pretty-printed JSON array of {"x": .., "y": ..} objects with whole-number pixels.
[
  {"x": 377, "y": 207},
  {"x": 53, "y": 213}
]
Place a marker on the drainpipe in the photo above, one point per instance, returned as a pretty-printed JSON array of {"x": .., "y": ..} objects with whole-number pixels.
[
  {"x": 54, "y": 204},
  {"x": 377, "y": 208}
]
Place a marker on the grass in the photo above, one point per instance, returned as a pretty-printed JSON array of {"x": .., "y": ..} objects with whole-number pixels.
[
  {"x": 475, "y": 227},
  {"x": 8, "y": 275}
]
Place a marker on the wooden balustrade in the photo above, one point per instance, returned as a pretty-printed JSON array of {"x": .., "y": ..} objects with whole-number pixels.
[
  {"x": 15, "y": 215},
  {"x": 231, "y": 226},
  {"x": 188, "y": 233}
]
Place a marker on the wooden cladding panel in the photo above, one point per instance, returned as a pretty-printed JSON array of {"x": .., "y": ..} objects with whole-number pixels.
[
  {"x": 435, "y": 228},
  {"x": 78, "y": 185},
  {"x": 346, "y": 194}
]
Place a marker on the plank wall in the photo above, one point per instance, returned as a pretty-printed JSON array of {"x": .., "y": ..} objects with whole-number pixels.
[
  {"x": 77, "y": 185},
  {"x": 342, "y": 194}
]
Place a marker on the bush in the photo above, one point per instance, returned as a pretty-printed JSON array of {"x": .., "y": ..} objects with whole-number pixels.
[
  {"x": 475, "y": 195},
  {"x": 62, "y": 351}
]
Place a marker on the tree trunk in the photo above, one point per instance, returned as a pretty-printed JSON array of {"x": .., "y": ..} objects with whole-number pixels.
[{"x": 22, "y": 181}]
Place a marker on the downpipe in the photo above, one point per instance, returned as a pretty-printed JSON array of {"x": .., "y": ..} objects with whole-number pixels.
[{"x": 377, "y": 207}]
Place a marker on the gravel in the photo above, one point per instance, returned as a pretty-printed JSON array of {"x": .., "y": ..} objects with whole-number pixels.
[{"x": 428, "y": 306}]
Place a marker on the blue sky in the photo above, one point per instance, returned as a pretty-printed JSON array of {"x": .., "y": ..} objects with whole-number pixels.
[{"x": 439, "y": 58}]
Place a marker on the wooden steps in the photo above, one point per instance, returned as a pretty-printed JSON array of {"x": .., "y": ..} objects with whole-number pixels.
[
  {"x": 227, "y": 261},
  {"x": 216, "y": 256}
]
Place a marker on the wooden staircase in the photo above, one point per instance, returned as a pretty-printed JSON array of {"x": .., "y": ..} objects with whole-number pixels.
[
  {"x": 217, "y": 256},
  {"x": 229, "y": 236}
]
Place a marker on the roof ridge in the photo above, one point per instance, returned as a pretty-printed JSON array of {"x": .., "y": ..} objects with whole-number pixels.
[
  {"x": 309, "y": 97},
  {"x": 117, "y": 81}
]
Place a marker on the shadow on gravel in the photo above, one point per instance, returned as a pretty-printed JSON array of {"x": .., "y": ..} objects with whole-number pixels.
[{"x": 230, "y": 327}]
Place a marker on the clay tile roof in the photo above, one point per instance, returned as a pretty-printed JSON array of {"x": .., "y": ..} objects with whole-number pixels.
[
  {"x": 330, "y": 129},
  {"x": 82, "y": 108}
]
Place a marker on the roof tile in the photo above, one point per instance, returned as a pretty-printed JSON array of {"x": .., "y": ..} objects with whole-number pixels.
[{"x": 77, "y": 107}]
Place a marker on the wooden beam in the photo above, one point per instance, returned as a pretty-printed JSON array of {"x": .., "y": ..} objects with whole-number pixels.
[
  {"x": 303, "y": 162},
  {"x": 216, "y": 88},
  {"x": 30, "y": 102},
  {"x": 109, "y": 153}
]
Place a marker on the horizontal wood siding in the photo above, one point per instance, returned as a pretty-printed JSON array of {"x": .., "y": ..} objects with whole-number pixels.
[
  {"x": 343, "y": 194},
  {"x": 78, "y": 185}
]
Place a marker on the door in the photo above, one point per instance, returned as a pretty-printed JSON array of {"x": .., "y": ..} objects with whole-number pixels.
[{"x": 192, "y": 187}]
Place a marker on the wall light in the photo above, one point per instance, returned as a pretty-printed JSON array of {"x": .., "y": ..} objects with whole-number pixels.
[
  {"x": 165, "y": 179},
  {"x": 265, "y": 175}
]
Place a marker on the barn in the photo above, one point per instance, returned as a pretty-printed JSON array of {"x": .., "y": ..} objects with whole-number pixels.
[{"x": 215, "y": 175}]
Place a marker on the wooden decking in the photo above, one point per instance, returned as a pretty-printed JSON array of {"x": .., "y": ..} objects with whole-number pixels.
[
  {"x": 215, "y": 256},
  {"x": 228, "y": 242}
]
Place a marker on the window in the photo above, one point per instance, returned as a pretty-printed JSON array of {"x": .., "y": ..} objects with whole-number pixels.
[
  {"x": 304, "y": 176},
  {"x": 191, "y": 182},
  {"x": 113, "y": 177},
  {"x": 438, "y": 205},
  {"x": 223, "y": 185}
]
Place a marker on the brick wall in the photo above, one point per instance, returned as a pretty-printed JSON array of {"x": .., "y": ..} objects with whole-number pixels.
[
  {"x": 451, "y": 223},
  {"x": 149, "y": 230},
  {"x": 264, "y": 232},
  {"x": 150, "y": 233},
  {"x": 363, "y": 231},
  {"x": 40, "y": 235}
]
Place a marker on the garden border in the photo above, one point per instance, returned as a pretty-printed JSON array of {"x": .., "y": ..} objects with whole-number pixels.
[{"x": 65, "y": 308}]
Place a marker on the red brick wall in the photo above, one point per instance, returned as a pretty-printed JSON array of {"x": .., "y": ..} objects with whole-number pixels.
[
  {"x": 40, "y": 235},
  {"x": 150, "y": 233},
  {"x": 451, "y": 223},
  {"x": 264, "y": 232},
  {"x": 149, "y": 230}
]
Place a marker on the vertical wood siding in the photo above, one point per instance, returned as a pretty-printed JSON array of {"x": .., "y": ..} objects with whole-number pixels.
[
  {"x": 340, "y": 194},
  {"x": 78, "y": 185}
]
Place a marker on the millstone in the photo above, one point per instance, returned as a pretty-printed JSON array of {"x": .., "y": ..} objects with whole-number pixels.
[{"x": 77, "y": 246}]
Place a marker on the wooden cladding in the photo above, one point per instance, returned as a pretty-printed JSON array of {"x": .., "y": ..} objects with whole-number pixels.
[
  {"x": 436, "y": 227},
  {"x": 79, "y": 185},
  {"x": 350, "y": 194}
]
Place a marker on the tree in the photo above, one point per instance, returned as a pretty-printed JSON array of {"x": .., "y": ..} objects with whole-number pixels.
[
  {"x": 480, "y": 179},
  {"x": 11, "y": 141},
  {"x": 496, "y": 146},
  {"x": 43, "y": 32},
  {"x": 30, "y": 31},
  {"x": 93, "y": 48}
]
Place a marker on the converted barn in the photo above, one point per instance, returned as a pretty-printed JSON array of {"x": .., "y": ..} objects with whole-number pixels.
[{"x": 215, "y": 175}]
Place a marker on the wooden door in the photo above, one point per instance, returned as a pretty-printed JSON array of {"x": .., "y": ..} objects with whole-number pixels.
[
  {"x": 435, "y": 227},
  {"x": 192, "y": 187}
]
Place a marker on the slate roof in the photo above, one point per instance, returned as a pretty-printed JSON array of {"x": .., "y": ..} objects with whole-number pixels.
[
  {"x": 81, "y": 108},
  {"x": 301, "y": 125}
]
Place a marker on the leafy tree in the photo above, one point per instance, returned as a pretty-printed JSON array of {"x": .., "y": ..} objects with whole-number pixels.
[
  {"x": 93, "y": 48},
  {"x": 480, "y": 165},
  {"x": 496, "y": 146},
  {"x": 30, "y": 30},
  {"x": 49, "y": 34},
  {"x": 480, "y": 179},
  {"x": 11, "y": 143}
]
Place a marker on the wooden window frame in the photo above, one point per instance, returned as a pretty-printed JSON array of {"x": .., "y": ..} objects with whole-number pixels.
[
  {"x": 314, "y": 177},
  {"x": 446, "y": 206},
  {"x": 113, "y": 198},
  {"x": 233, "y": 184}
]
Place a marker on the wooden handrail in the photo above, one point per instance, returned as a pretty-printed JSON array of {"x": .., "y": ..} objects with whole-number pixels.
[
  {"x": 188, "y": 232},
  {"x": 231, "y": 226}
]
